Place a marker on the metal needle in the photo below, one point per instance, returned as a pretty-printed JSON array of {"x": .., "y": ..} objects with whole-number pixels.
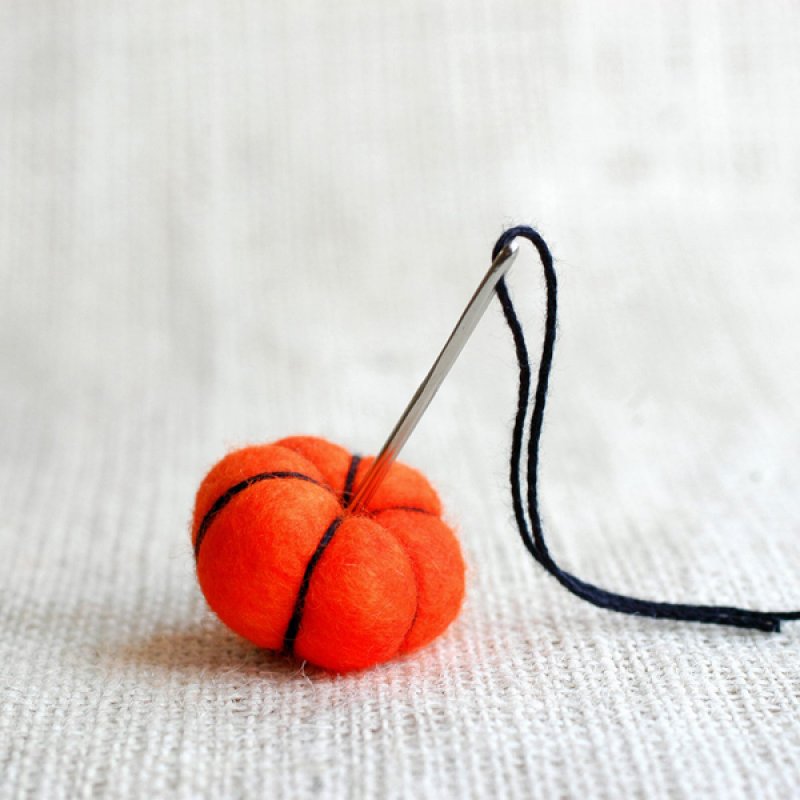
[{"x": 433, "y": 380}]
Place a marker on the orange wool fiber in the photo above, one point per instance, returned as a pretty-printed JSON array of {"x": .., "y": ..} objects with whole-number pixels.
[{"x": 282, "y": 561}]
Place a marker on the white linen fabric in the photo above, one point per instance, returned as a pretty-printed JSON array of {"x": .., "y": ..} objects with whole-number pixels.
[{"x": 228, "y": 222}]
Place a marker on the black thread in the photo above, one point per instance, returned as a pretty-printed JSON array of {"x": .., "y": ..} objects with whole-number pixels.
[
  {"x": 224, "y": 499},
  {"x": 533, "y": 534},
  {"x": 349, "y": 481},
  {"x": 297, "y": 612}
]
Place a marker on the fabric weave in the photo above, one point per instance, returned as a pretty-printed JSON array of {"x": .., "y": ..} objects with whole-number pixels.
[{"x": 225, "y": 222}]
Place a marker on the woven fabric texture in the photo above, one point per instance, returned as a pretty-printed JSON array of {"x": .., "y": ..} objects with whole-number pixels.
[{"x": 223, "y": 223}]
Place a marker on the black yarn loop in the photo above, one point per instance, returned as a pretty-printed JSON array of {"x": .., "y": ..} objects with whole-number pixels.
[
  {"x": 350, "y": 479},
  {"x": 238, "y": 488},
  {"x": 293, "y": 627},
  {"x": 530, "y": 526}
]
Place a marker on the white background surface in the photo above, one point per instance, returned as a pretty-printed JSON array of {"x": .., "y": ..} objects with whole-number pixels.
[{"x": 228, "y": 222}]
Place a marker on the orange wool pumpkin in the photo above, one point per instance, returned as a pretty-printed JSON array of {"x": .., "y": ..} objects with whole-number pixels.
[{"x": 282, "y": 562}]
